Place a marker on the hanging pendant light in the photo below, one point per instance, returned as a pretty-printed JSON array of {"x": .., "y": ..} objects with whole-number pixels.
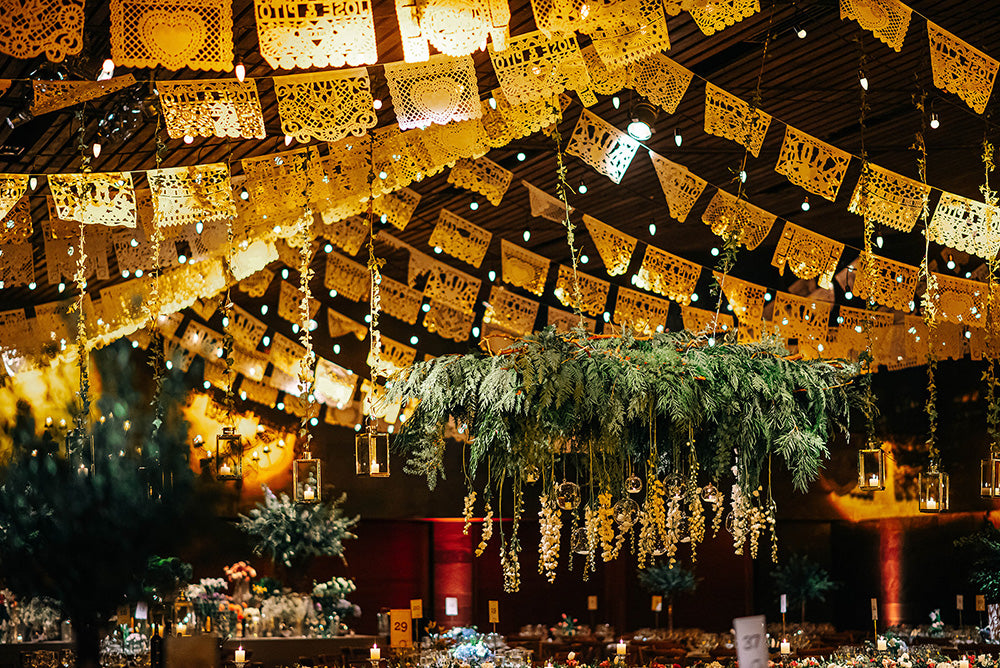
[
  {"x": 371, "y": 452},
  {"x": 989, "y": 476},
  {"x": 933, "y": 490},
  {"x": 307, "y": 479},
  {"x": 871, "y": 469},
  {"x": 229, "y": 455}
]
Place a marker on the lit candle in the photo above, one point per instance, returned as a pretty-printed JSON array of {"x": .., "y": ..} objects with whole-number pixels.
[
  {"x": 620, "y": 648},
  {"x": 881, "y": 644},
  {"x": 786, "y": 647},
  {"x": 963, "y": 663},
  {"x": 375, "y": 467},
  {"x": 241, "y": 655},
  {"x": 225, "y": 470},
  {"x": 931, "y": 503},
  {"x": 181, "y": 628},
  {"x": 569, "y": 657},
  {"x": 308, "y": 494},
  {"x": 873, "y": 481},
  {"x": 375, "y": 653}
]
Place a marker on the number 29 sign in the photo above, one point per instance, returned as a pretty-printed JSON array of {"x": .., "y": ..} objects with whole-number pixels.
[{"x": 400, "y": 628}]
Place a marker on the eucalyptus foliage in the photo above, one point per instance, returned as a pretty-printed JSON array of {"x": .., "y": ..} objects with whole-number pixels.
[
  {"x": 611, "y": 401},
  {"x": 292, "y": 533}
]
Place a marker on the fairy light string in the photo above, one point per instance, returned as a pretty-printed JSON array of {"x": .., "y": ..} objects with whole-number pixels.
[
  {"x": 80, "y": 420},
  {"x": 157, "y": 359},
  {"x": 867, "y": 358},
  {"x": 375, "y": 296},
  {"x": 990, "y": 376},
  {"x": 562, "y": 188}
]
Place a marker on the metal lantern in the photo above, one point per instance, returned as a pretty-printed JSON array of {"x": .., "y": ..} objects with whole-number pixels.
[
  {"x": 229, "y": 455},
  {"x": 989, "y": 477},
  {"x": 871, "y": 469},
  {"x": 371, "y": 454},
  {"x": 933, "y": 489},
  {"x": 307, "y": 479}
]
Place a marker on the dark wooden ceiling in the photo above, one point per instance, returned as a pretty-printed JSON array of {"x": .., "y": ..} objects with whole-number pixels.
[{"x": 810, "y": 83}]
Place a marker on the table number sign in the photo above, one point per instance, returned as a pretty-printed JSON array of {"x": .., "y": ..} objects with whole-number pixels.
[
  {"x": 657, "y": 604},
  {"x": 959, "y": 602},
  {"x": 980, "y": 603},
  {"x": 751, "y": 641},
  {"x": 784, "y": 603},
  {"x": 400, "y": 623},
  {"x": 417, "y": 608},
  {"x": 451, "y": 606},
  {"x": 141, "y": 610},
  {"x": 494, "y": 612},
  {"x": 591, "y": 603},
  {"x": 874, "y": 609}
]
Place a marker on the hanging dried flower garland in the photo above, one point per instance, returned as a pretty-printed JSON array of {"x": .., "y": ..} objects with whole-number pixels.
[{"x": 671, "y": 417}]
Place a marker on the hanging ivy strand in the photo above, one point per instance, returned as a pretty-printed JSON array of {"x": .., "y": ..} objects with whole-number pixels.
[{"x": 555, "y": 395}]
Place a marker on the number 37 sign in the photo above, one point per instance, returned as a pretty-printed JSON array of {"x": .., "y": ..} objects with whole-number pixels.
[{"x": 751, "y": 641}]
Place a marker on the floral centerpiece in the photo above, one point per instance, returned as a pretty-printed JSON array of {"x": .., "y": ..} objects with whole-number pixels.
[
  {"x": 209, "y": 600},
  {"x": 240, "y": 574},
  {"x": 284, "y": 614},
  {"x": 330, "y": 599},
  {"x": 39, "y": 618},
  {"x": 567, "y": 626}
]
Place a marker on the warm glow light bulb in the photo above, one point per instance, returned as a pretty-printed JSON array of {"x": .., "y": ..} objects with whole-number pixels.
[
  {"x": 863, "y": 80},
  {"x": 527, "y": 235},
  {"x": 935, "y": 121},
  {"x": 241, "y": 70},
  {"x": 188, "y": 139},
  {"x": 805, "y": 204},
  {"x": 377, "y": 103},
  {"x": 97, "y": 149},
  {"x": 288, "y": 140}
]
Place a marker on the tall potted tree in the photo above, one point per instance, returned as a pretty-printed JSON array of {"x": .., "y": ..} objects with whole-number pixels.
[
  {"x": 668, "y": 580},
  {"x": 802, "y": 580}
]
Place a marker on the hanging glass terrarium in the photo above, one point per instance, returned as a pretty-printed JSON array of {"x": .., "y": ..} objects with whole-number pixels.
[
  {"x": 871, "y": 469},
  {"x": 989, "y": 477},
  {"x": 371, "y": 452},
  {"x": 229, "y": 455},
  {"x": 307, "y": 479},
  {"x": 933, "y": 489}
]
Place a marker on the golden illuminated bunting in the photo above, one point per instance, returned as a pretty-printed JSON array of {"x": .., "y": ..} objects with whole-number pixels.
[
  {"x": 392, "y": 356},
  {"x": 889, "y": 199},
  {"x": 445, "y": 144},
  {"x": 704, "y": 321},
  {"x": 246, "y": 330},
  {"x": 340, "y": 325},
  {"x": 57, "y": 321},
  {"x": 603, "y": 79},
  {"x": 400, "y": 300},
  {"x": 887, "y": 282},
  {"x": 206, "y": 308},
  {"x": 482, "y": 176},
  {"x": 397, "y": 207},
  {"x": 593, "y": 291},
  {"x": 15, "y": 226},
  {"x": 510, "y": 312},
  {"x": 460, "y": 239},
  {"x": 256, "y": 285},
  {"x": 259, "y": 392},
  {"x": 327, "y": 106},
  {"x": 812, "y": 164},
  {"x": 565, "y": 321},
  {"x": 32, "y": 28},
  {"x": 730, "y": 117},
  {"x": 173, "y": 34},
  {"x": 713, "y": 16},
  {"x": 732, "y": 217},
  {"x": 960, "y": 68},
  {"x": 746, "y": 300},
  {"x": 507, "y": 122},
  {"x": 966, "y": 225},
  {"x": 299, "y": 36},
  {"x": 448, "y": 322},
  {"x": 614, "y": 247},
  {"x": 96, "y": 198},
  {"x": 660, "y": 80},
  {"x": 250, "y": 364},
  {"x": 287, "y": 355},
  {"x": 602, "y": 146},
  {"x": 347, "y": 277},
  {"x": 444, "y": 283},
  {"x": 16, "y": 264},
  {"x": 282, "y": 182},
  {"x": 959, "y": 300},
  {"x": 628, "y": 30},
  {"x": 851, "y": 337},
  {"x": 54, "y": 95},
  {"x": 344, "y": 175},
  {"x": 640, "y": 312},
  {"x": 289, "y": 300},
  {"x": 544, "y": 205},
  {"x": 807, "y": 254},
  {"x": 535, "y": 67},
  {"x": 802, "y": 318},
  {"x": 12, "y": 189},
  {"x": 214, "y": 108},
  {"x": 441, "y": 90},
  {"x": 886, "y": 19},
  {"x": 562, "y": 16},
  {"x": 348, "y": 234},
  {"x": 668, "y": 275},
  {"x": 523, "y": 268},
  {"x": 453, "y": 28},
  {"x": 187, "y": 195},
  {"x": 681, "y": 187}
]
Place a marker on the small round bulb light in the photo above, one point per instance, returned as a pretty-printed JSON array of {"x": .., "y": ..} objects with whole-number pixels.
[{"x": 241, "y": 71}]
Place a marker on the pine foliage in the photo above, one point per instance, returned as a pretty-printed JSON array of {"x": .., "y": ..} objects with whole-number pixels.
[
  {"x": 983, "y": 547},
  {"x": 747, "y": 402},
  {"x": 668, "y": 580}
]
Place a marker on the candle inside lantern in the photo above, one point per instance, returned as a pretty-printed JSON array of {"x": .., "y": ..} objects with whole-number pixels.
[
  {"x": 225, "y": 470},
  {"x": 931, "y": 503},
  {"x": 308, "y": 494},
  {"x": 873, "y": 480},
  {"x": 374, "y": 467},
  {"x": 181, "y": 628},
  {"x": 881, "y": 644},
  {"x": 375, "y": 653},
  {"x": 786, "y": 647},
  {"x": 620, "y": 648},
  {"x": 240, "y": 655},
  {"x": 963, "y": 663}
]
